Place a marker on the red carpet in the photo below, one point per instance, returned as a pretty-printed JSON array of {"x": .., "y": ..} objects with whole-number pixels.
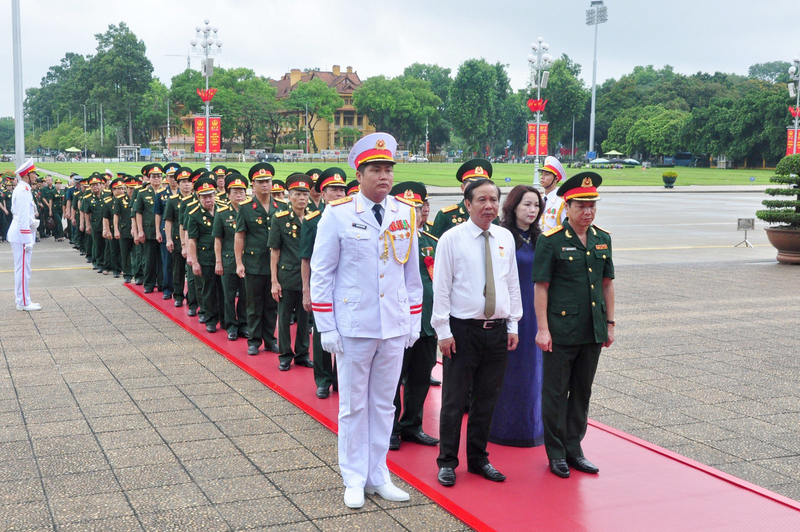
[{"x": 640, "y": 487}]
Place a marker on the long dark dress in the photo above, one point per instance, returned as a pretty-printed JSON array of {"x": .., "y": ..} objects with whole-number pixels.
[{"x": 517, "y": 419}]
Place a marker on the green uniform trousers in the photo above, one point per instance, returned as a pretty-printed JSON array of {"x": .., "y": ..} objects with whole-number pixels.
[
  {"x": 179, "y": 275},
  {"x": 151, "y": 264},
  {"x": 58, "y": 218},
  {"x": 568, "y": 373},
  {"x": 234, "y": 311},
  {"x": 88, "y": 246},
  {"x": 192, "y": 299},
  {"x": 210, "y": 286},
  {"x": 126, "y": 257},
  {"x": 324, "y": 370},
  {"x": 99, "y": 250},
  {"x": 292, "y": 302},
  {"x": 262, "y": 310},
  {"x": 112, "y": 256}
]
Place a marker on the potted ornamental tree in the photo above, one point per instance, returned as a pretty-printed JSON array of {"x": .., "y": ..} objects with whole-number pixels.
[
  {"x": 669, "y": 178},
  {"x": 783, "y": 212}
]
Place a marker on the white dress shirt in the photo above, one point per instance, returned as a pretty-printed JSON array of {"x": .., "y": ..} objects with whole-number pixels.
[{"x": 459, "y": 277}]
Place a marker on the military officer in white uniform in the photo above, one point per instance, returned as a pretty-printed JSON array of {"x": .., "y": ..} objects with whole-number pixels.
[
  {"x": 22, "y": 234},
  {"x": 553, "y": 212},
  {"x": 366, "y": 294}
]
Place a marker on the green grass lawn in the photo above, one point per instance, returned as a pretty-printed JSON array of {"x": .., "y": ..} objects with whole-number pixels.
[{"x": 443, "y": 174}]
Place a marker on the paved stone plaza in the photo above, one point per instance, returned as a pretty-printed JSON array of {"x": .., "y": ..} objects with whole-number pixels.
[{"x": 114, "y": 418}]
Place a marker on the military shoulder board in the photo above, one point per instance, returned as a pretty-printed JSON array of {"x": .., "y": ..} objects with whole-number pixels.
[
  {"x": 450, "y": 208},
  {"x": 313, "y": 214},
  {"x": 282, "y": 214}
]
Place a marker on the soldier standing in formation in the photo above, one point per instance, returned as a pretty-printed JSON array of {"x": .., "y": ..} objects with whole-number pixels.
[
  {"x": 199, "y": 230},
  {"x": 172, "y": 228},
  {"x": 147, "y": 230},
  {"x": 456, "y": 214}
]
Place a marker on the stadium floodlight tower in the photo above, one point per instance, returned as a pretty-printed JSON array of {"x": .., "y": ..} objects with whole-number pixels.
[
  {"x": 595, "y": 15},
  {"x": 206, "y": 37}
]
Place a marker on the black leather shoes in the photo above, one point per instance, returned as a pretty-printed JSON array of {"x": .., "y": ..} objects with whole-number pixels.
[
  {"x": 447, "y": 476},
  {"x": 488, "y": 472},
  {"x": 252, "y": 350},
  {"x": 283, "y": 366},
  {"x": 394, "y": 442},
  {"x": 202, "y": 318},
  {"x": 559, "y": 468},
  {"x": 233, "y": 336},
  {"x": 583, "y": 465},
  {"x": 244, "y": 334},
  {"x": 148, "y": 290},
  {"x": 273, "y": 347},
  {"x": 166, "y": 296},
  {"x": 323, "y": 392},
  {"x": 192, "y": 312},
  {"x": 139, "y": 282},
  {"x": 211, "y": 328},
  {"x": 306, "y": 363},
  {"x": 434, "y": 382},
  {"x": 178, "y": 303},
  {"x": 421, "y": 438}
]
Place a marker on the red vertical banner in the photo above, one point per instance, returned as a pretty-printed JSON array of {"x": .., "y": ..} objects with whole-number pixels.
[
  {"x": 792, "y": 142},
  {"x": 200, "y": 135},
  {"x": 537, "y": 146},
  {"x": 215, "y": 130}
]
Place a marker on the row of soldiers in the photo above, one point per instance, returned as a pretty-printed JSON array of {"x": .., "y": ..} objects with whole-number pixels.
[
  {"x": 244, "y": 260},
  {"x": 48, "y": 199}
]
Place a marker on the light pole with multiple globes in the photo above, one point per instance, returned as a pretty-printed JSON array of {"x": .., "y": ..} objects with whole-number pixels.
[
  {"x": 539, "y": 60},
  {"x": 595, "y": 15},
  {"x": 207, "y": 37}
]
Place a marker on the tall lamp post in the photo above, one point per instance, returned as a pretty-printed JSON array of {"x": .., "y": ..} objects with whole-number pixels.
[
  {"x": 19, "y": 125},
  {"x": 206, "y": 37},
  {"x": 595, "y": 15},
  {"x": 539, "y": 60},
  {"x": 794, "y": 90}
]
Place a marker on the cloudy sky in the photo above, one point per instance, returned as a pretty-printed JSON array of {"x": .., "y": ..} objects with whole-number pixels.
[{"x": 376, "y": 37}]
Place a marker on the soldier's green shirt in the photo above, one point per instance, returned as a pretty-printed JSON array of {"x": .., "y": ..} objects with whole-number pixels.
[
  {"x": 576, "y": 309},
  {"x": 145, "y": 205},
  {"x": 308, "y": 233},
  {"x": 93, "y": 206},
  {"x": 47, "y": 193},
  {"x": 427, "y": 254},
  {"x": 224, "y": 228},
  {"x": 284, "y": 234},
  {"x": 122, "y": 208},
  {"x": 199, "y": 226},
  {"x": 451, "y": 216},
  {"x": 108, "y": 212},
  {"x": 172, "y": 213},
  {"x": 254, "y": 221}
]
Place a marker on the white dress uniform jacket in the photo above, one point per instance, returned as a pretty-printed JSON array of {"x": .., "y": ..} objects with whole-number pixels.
[
  {"x": 358, "y": 286},
  {"x": 554, "y": 211},
  {"x": 19, "y": 232}
]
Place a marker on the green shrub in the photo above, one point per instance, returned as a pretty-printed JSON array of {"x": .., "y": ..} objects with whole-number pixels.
[{"x": 784, "y": 211}]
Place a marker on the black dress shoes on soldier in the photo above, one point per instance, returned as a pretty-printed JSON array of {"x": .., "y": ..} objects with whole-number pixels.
[
  {"x": 447, "y": 476},
  {"x": 306, "y": 363},
  {"x": 284, "y": 366},
  {"x": 232, "y": 336},
  {"x": 421, "y": 438},
  {"x": 273, "y": 347},
  {"x": 323, "y": 392},
  {"x": 583, "y": 465},
  {"x": 192, "y": 312},
  {"x": 559, "y": 468},
  {"x": 211, "y": 328},
  {"x": 252, "y": 350},
  {"x": 394, "y": 442},
  {"x": 488, "y": 472}
]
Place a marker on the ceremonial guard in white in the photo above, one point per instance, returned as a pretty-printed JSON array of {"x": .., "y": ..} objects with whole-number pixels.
[
  {"x": 22, "y": 234},
  {"x": 553, "y": 212},
  {"x": 366, "y": 294}
]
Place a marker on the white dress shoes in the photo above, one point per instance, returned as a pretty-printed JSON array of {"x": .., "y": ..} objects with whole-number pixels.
[
  {"x": 354, "y": 497},
  {"x": 388, "y": 491},
  {"x": 30, "y": 307}
]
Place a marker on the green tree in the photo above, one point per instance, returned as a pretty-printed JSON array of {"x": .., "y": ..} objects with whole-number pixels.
[
  {"x": 7, "y": 139},
  {"x": 622, "y": 125},
  {"x": 660, "y": 134},
  {"x": 772, "y": 72},
  {"x": 473, "y": 103},
  {"x": 439, "y": 77},
  {"x": 320, "y": 100}
]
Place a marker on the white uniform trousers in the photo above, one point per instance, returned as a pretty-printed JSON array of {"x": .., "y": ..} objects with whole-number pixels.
[
  {"x": 369, "y": 370},
  {"x": 22, "y": 272}
]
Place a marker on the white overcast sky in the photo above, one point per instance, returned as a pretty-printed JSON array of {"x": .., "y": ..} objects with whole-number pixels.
[{"x": 379, "y": 37}]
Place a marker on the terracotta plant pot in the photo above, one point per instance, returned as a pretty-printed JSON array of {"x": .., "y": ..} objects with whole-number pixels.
[{"x": 787, "y": 242}]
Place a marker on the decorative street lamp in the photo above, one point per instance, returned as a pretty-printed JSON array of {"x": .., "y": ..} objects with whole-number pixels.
[
  {"x": 595, "y": 15},
  {"x": 794, "y": 75},
  {"x": 540, "y": 60},
  {"x": 206, "y": 37}
]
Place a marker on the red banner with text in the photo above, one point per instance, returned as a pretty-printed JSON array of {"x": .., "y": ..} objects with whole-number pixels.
[
  {"x": 534, "y": 147},
  {"x": 215, "y": 130},
  {"x": 200, "y": 135},
  {"x": 792, "y": 142},
  {"x": 215, "y": 141}
]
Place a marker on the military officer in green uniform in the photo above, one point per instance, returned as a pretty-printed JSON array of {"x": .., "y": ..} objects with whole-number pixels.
[
  {"x": 224, "y": 231},
  {"x": 419, "y": 359},
  {"x": 81, "y": 188},
  {"x": 147, "y": 231},
  {"x": 220, "y": 172},
  {"x": 331, "y": 186},
  {"x": 193, "y": 296},
  {"x": 112, "y": 237},
  {"x": 455, "y": 214},
  {"x": 122, "y": 227},
  {"x": 199, "y": 230},
  {"x": 278, "y": 190},
  {"x": 315, "y": 196},
  {"x": 46, "y": 192},
  {"x": 287, "y": 284},
  {"x": 93, "y": 210},
  {"x": 253, "y": 258},
  {"x": 55, "y": 202},
  {"x": 172, "y": 228},
  {"x": 574, "y": 302}
]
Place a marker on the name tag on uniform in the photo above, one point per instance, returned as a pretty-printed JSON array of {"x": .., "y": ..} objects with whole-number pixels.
[
  {"x": 568, "y": 249},
  {"x": 601, "y": 246},
  {"x": 359, "y": 226}
]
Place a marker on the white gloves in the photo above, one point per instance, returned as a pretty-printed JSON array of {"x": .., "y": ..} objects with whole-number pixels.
[
  {"x": 331, "y": 341},
  {"x": 35, "y": 224},
  {"x": 411, "y": 339}
]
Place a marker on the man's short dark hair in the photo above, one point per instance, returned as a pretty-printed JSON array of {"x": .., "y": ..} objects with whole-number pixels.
[{"x": 469, "y": 192}]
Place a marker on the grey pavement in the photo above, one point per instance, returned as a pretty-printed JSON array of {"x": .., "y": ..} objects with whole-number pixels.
[{"x": 114, "y": 418}]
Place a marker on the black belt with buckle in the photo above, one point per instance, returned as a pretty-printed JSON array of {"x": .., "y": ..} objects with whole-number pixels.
[{"x": 484, "y": 324}]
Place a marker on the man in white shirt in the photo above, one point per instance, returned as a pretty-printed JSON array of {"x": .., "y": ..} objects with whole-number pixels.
[
  {"x": 553, "y": 212},
  {"x": 366, "y": 294},
  {"x": 22, "y": 234},
  {"x": 476, "y": 307}
]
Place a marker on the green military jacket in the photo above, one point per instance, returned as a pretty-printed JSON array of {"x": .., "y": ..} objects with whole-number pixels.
[
  {"x": 122, "y": 208},
  {"x": 199, "y": 226},
  {"x": 145, "y": 205},
  {"x": 224, "y": 228},
  {"x": 254, "y": 222},
  {"x": 93, "y": 206},
  {"x": 284, "y": 234},
  {"x": 427, "y": 254},
  {"x": 576, "y": 308},
  {"x": 451, "y": 216},
  {"x": 308, "y": 232},
  {"x": 172, "y": 213},
  {"x": 108, "y": 213}
]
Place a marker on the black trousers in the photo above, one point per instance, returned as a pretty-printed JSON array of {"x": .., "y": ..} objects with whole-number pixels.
[
  {"x": 234, "y": 311},
  {"x": 568, "y": 373},
  {"x": 262, "y": 309},
  {"x": 418, "y": 361},
  {"x": 126, "y": 256},
  {"x": 479, "y": 363}
]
